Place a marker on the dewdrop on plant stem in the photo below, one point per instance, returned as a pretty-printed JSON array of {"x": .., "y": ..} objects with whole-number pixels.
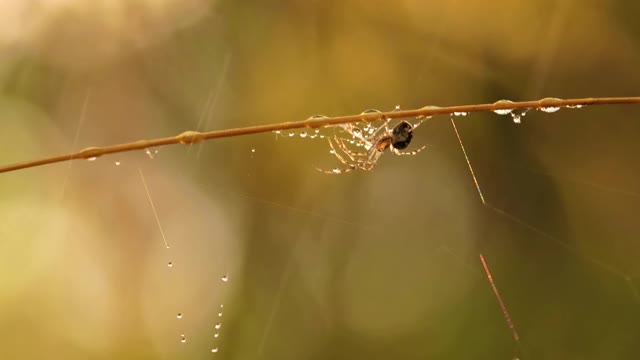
[
  {"x": 551, "y": 108},
  {"x": 503, "y": 103}
]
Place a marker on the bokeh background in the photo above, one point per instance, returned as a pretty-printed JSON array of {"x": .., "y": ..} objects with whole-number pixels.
[{"x": 367, "y": 265}]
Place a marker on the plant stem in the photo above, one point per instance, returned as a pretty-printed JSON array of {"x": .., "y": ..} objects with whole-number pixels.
[{"x": 192, "y": 137}]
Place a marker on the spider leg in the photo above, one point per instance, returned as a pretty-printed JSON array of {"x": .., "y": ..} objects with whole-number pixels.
[
  {"x": 374, "y": 133},
  {"x": 346, "y": 150},
  {"x": 356, "y": 134},
  {"x": 401, "y": 153},
  {"x": 337, "y": 171},
  {"x": 351, "y": 163},
  {"x": 336, "y": 153}
]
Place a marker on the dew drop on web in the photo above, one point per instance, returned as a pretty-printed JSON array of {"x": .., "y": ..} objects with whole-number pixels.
[
  {"x": 92, "y": 158},
  {"x": 117, "y": 163},
  {"x": 170, "y": 264},
  {"x": 214, "y": 350},
  {"x": 218, "y": 326},
  {"x": 179, "y": 316},
  {"x": 225, "y": 278}
]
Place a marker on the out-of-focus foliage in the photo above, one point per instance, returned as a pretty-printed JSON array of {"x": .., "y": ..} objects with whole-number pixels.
[{"x": 364, "y": 265}]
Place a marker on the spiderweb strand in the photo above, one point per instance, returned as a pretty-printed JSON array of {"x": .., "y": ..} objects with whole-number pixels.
[
  {"x": 153, "y": 207},
  {"x": 473, "y": 175},
  {"x": 192, "y": 137},
  {"x": 606, "y": 267},
  {"x": 514, "y": 333}
]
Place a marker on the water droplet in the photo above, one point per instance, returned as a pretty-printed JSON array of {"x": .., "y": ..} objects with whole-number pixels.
[
  {"x": 117, "y": 163},
  {"x": 220, "y": 314},
  {"x": 253, "y": 150},
  {"x": 148, "y": 152},
  {"x": 214, "y": 350},
  {"x": 225, "y": 278},
  {"x": 92, "y": 158},
  {"x": 216, "y": 335},
  {"x": 548, "y": 105},
  {"x": 368, "y": 111},
  {"x": 336, "y": 171},
  {"x": 318, "y": 117},
  {"x": 303, "y": 134},
  {"x": 218, "y": 326},
  {"x": 574, "y": 106},
  {"x": 549, "y": 109},
  {"x": 183, "y": 340},
  {"x": 317, "y": 131},
  {"x": 291, "y": 134},
  {"x": 179, "y": 316},
  {"x": 170, "y": 264},
  {"x": 460, "y": 113},
  {"x": 356, "y": 131},
  {"x": 428, "y": 108},
  {"x": 277, "y": 132},
  {"x": 332, "y": 151},
  {"x": 516, "y": 118},
  {"x": 503, "y": 103},
  {"x": 221, "y": 306},
  {"x": 397, "y": 108}
]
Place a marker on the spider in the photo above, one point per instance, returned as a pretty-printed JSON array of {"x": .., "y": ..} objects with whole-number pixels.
[{"x": 375, "y": 144}]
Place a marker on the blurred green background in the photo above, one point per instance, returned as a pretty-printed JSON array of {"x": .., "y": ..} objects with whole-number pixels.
[{"x": 367, "y": 265}]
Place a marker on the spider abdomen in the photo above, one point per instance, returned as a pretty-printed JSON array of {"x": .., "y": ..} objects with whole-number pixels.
[{"x": 401, "y": 135}]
